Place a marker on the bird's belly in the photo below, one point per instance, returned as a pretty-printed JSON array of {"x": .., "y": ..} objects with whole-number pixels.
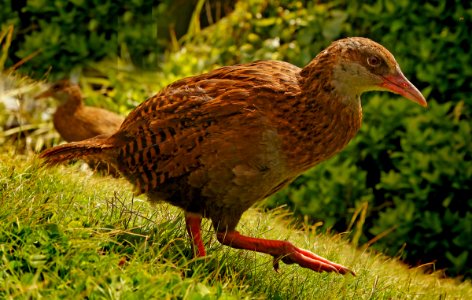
[
  {"x": 250, "y": 185},
  {"x": 210, "y": 190}
]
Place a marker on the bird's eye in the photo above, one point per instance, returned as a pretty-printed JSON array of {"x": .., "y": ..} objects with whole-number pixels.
[{"x": 373, "y": 61}]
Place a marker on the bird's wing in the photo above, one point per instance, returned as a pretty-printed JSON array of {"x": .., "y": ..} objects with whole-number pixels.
[
  {"x": 165, "y": 142},
  {"x": 162, "y": 138}
]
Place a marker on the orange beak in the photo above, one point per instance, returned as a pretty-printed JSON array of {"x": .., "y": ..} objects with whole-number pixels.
[{"x": 399, "y": 84}]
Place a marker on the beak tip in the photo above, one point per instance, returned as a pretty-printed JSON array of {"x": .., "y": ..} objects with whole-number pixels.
[
  {"x": 421, "y": 101},
  {"x": 399, "y": 84}
]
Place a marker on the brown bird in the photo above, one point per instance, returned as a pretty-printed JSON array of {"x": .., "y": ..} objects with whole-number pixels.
[
  {"x": 76, "y": 122},
  {"x": 216, "y": 143}
]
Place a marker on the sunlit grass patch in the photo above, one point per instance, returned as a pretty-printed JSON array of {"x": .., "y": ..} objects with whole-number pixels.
[{"x": 65, "y": 232}]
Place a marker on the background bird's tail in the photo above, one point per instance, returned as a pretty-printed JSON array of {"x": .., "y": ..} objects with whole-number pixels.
[{"x": 90, "y": 148}]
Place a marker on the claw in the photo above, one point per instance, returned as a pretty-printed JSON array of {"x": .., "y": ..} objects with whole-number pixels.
[{"x": 311, "y": 259}]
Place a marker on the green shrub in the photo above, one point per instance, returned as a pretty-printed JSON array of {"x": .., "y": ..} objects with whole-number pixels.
[
  {"x": 430, "y": 188},
  {"x": 61, "y": 37},
  {"x": 67, "y": 35}
]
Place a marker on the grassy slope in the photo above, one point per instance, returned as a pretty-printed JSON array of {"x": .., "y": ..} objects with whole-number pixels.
[{"x": 67, "y": 233}]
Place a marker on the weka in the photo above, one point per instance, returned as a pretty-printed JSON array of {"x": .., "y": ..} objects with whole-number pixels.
[
  {"x": 76, "y": 122},
  {"x": 216, "y": 143}
]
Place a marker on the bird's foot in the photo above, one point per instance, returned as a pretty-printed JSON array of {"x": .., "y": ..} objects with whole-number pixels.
[
  {"x": 309, "y": 260},
  {"x": 281, "y": 251}
]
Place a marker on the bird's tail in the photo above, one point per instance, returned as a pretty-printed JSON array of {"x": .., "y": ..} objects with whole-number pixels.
[{"x": 92, "y": 148}]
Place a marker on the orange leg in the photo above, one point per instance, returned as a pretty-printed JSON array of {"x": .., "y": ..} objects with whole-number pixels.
[
  {"x": 193, "y": 222},
  {"x": 281, "y": 250}
]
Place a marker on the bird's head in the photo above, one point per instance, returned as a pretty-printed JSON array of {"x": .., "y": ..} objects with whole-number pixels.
[
  {"x": 361, "y": 65},
  {"x": 62, "y": 90}
]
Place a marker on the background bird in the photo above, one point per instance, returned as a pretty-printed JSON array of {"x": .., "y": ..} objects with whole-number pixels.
[
  {"x": 216, "y": 143},
  {"x": 76, "y": 122}
]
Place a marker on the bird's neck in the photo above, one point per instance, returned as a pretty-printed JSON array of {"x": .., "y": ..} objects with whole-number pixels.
[
  {"x": 324, "y": 120},
  {"x": 71, "y": 101}
]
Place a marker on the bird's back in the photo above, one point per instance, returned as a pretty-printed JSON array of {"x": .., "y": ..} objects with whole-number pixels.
[{"x": 84, "y": 122}]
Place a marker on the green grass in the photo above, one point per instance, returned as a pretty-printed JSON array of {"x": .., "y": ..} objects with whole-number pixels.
[{"x": 66, "y": 233}]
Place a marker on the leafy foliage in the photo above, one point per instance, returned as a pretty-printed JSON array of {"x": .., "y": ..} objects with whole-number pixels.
[{"x": 70, "y": 34}]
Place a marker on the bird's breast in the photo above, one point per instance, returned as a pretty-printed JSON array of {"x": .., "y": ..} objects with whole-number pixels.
[{"x": 317, "y": 133}]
